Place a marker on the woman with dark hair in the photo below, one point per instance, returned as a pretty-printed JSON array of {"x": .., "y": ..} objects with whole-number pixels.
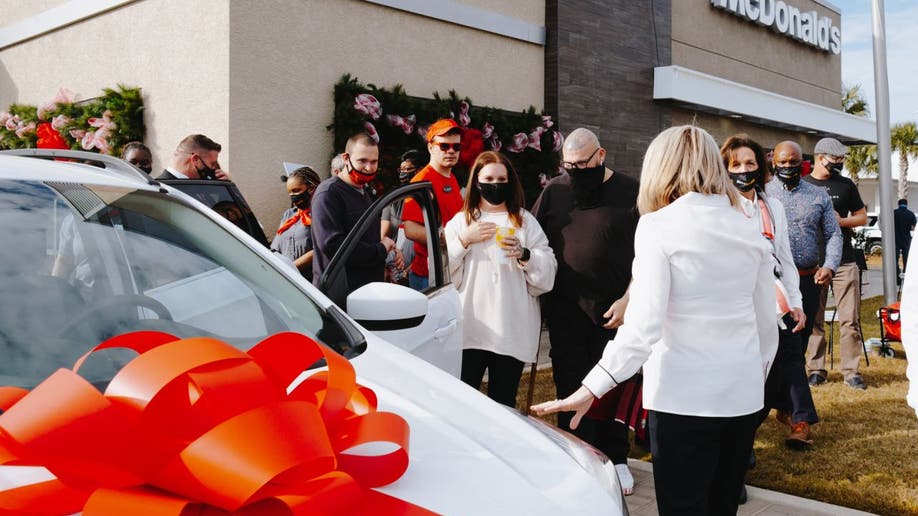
[
  {"x": 294, "y": 236},
  {"x": 411, "y": 162},
  {"x": 786, "y": 388},
  {"x": 500, "y": 261},
  {"x": 139, "y": 155}
]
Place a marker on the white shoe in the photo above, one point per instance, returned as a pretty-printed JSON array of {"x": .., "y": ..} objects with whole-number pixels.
[{"x": 625, "y": 479}]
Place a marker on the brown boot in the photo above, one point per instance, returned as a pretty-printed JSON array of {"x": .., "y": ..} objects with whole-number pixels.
[
  {"x": 783, "y": 417},
  {"x": 800, "y": 436}
]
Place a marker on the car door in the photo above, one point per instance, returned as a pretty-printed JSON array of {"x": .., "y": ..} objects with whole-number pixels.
[
  {"x": 438, "y": 337},
  {"x": 224, "y": 198}
]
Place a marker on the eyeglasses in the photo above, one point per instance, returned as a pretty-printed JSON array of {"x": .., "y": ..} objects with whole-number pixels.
[
  {"x": 568, "y": 165},
  {"x": 446, "y": 146}
]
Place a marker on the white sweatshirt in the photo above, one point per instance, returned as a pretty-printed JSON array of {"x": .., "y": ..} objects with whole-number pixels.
[{"x": 500, "y": 301}]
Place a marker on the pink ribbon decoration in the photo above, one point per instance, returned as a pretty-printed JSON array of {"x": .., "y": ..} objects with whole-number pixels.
[
  {"x": 406, "y": 124},
  {"x": 367, "y": 104},
  {"x": 535, "y": 138},
  {"x": 558, "y": 141},
  {"x": 520, "y": 142},
  {"x": 546, "y": 121},
  {"x": 487, "y": 130},
  {"x": 371, "y": 130},
  {"x": 464, "y": 118}
]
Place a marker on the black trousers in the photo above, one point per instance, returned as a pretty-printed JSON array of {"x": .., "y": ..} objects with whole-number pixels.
[
  {"x": 576, "y": 346},
  {"x": 787, "y": 387},
  {"x": 811, "y": 293},
  {"x": 504, "y": 374},
  {"x": 699, "y": 462}
]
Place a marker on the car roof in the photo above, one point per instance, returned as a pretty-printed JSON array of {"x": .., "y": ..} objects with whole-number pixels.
[{"x": 35, "y": 169}]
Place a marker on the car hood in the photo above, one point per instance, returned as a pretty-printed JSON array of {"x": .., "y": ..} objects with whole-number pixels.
[
  {"x": 467, "y": 454},
  {"x": 470, "y": 455}
]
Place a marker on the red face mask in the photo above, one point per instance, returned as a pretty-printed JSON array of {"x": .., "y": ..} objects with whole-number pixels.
[{"x": 359, "y": 178}]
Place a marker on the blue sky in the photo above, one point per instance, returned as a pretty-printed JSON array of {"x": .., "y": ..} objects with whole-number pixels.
[{"x": 901, "y": 50}]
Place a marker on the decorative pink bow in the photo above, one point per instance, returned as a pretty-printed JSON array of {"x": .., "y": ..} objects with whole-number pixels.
[
  {"x": 103, "y": 124},
  {"x": 64, "y": 96},
  {"x": 60, "y": 121},
  {"x": 24, "y": 129},
  {"x": 495, "y": 142},
  {"x": 546, "y": 121},
  {"x": 422, "y": 131},
  {"x": 520, "y": 141},
  {"x": 558, "y": 141},
  {"x": 487, "y": 130},
  {"x": 464, "y": 118},
  {"x": 367, "y": 104},
  {"x": 406, "y": 124},
  {"x": 11, "y": 122},
  {"x": 535, "y": 138},
  {"x": 371, "y": 130},
  {"x": 95, "y": 139}
]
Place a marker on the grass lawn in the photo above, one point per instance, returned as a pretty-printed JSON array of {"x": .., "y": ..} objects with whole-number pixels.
[{"x": 866, "y": 450}]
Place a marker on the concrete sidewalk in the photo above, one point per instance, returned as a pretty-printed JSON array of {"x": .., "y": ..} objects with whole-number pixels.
[{"x": 762, "y": 502}]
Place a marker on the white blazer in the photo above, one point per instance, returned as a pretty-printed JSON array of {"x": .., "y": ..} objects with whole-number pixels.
[
  {"x": 701, "y": 316},
  {"x": 909, "y": 327}
]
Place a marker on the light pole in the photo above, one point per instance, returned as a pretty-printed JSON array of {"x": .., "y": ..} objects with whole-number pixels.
[{"x": 884, "y": 152}]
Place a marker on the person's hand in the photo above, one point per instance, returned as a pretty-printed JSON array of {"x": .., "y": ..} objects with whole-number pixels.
[
  {"x": 823, "y": 276},
  {"x": 800, "y": 317},
  {"x": 512, "y": 247},
  {"x": 838, "y": 217},
  {"x": 616, "y": 313},
  {"x": 399, "y": 259},
  {"x": 221, "y": 174},
  {"x": 388, "y": 243},
  {"x": 579, "y": 403},
  {"x": 477, "y": 232}
]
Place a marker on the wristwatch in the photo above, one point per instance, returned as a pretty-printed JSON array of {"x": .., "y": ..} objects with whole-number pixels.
[{"x": 524, "y": 257}]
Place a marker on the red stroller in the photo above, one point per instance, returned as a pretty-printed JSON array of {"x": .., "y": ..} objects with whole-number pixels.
[{"x": 890, "y": 328}]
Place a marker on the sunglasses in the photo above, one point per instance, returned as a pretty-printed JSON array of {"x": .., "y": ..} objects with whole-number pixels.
[{"x": 446, "y": 146}]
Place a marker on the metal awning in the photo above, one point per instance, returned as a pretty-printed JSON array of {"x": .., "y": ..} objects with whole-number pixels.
[{"x": 706, "y": 93}]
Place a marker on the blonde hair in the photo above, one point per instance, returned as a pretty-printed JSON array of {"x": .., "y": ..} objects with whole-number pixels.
[{"x": 679, "y": 160}]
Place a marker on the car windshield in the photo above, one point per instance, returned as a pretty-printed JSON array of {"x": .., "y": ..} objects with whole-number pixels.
[{"x": 80, "y": 264}]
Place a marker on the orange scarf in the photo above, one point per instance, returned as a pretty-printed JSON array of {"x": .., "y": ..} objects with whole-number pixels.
[{"x": 301, "y": 216}]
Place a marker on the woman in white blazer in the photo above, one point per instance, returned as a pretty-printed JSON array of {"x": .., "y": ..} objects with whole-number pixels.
[
  {"x": 498, "y": 282},
  {"x": 701, "y": 321}
]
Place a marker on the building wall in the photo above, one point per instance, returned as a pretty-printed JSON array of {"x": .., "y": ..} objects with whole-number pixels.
[
  {"x": 15, "y": 10},
  {"x": 721, "y": 127},
  {"x": 718, "y": 43},
  {"x": 286, "y": 56},
  {"x": 178, "y": 53},
  {"x": 600, "y": 57}
]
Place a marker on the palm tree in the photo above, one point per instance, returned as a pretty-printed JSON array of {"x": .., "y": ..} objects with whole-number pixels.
[
  {"x": 853, "y": 101},
  {"x": 862, "y": 158},
  {"x": 905, "y": 142}
]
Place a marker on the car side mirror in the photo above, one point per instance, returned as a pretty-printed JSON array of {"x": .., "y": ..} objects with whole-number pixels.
[{"x": 387, "y": 307}]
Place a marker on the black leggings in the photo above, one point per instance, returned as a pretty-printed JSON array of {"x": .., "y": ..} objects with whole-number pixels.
[{"x": 504, "y": 374}]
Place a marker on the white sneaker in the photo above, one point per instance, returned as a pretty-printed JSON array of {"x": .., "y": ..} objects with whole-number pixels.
[{"x": 625, "y": 479}]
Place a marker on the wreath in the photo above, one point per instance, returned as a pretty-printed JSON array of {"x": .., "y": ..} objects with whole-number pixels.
[
  {"x": 102, "y": 124},
  {"x": 399, "y": 122}
]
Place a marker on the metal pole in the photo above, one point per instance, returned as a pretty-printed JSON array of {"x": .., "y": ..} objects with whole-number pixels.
[{"x": 884, "y": 152}]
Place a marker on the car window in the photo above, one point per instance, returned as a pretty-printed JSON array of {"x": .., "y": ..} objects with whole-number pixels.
[
  {"x": 224, "y": 198},
  {"x": 82, "y": 264}
]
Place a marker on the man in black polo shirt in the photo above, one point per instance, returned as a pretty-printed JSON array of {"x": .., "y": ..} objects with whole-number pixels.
[
  {"x": 589, "y": 215},
  {"x": 337, "y": 205},
  {"x": 904, "y": 223},
  {"x": 846, "y": 284}
]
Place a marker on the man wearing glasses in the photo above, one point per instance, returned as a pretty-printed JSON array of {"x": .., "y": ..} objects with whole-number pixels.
[
  {"x": 589, "y": 215},
  {"x": 196, "y": 158},
  {"x": 444, "y": 139},
  {"x": 846, "y": 284}
]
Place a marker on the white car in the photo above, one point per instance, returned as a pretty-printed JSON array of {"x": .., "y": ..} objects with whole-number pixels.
[{"x": 88, "y": 254}]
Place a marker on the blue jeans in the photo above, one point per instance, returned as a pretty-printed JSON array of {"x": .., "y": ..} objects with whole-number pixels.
[{"x": 419, "y": 283}]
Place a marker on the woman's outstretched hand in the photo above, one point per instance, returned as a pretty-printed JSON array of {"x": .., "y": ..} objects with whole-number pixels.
[{"x": 579, "y": 403}]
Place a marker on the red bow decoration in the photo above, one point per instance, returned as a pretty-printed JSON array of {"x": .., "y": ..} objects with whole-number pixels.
[
  {"x": 195, "y": 426},
  {"x": 49, "y": 137},
  {"x": 472, "y": 146},
  {"x": 304, "y": 216}
]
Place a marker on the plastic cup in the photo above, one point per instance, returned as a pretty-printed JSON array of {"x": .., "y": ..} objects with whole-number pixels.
[{"x": 501, "y": 233}]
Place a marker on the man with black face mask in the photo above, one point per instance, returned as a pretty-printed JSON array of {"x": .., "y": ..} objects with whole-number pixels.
[
  {"x": 846, "y": 284},
  {"x": 815, "y": 237},
  {"x": 196, "y": 158},
  {"x": 589, "y": 216}
]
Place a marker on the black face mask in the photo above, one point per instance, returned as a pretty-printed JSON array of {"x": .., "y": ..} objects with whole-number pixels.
[
  {"x": 300, "y": 200},
  {"x": 585, "y": 183},
  {"x": 207, "y": 172},
  {"x": 494, "y": 193},
  {"x": 835, "y": 168},
  {"x": 745, "y": 181},
  {"x": 790, "y": 176},
  {"x": 404, "y": 177}
]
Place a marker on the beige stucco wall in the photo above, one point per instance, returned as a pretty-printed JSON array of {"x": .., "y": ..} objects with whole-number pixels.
[
  {"x": 16, "y": 10},
  {"x": 178, "y": 52},
  {"x": 532, "y": 11},
  {"x": 721, "y": 44},
  {"x": 286, "y": 55}
]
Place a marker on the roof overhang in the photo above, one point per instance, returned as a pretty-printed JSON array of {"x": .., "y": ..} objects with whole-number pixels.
[{"x": 702, "y": 92}]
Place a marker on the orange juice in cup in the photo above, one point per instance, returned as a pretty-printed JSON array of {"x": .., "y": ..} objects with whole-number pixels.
[{"x": 501, "y": 233}]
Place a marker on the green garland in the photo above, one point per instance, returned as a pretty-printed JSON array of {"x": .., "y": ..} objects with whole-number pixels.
[
  {"x": 535, "y": 161},
  {"x": 111, "y": 120}
]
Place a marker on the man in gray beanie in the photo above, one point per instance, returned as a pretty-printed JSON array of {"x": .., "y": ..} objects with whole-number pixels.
[{"x": 846, "y": 284}]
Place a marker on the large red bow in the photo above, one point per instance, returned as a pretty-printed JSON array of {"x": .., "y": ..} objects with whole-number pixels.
[{"x": 195, "y": 426}]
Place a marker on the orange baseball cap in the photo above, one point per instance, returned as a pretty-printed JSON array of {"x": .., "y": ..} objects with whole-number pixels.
[{"x": 441, "y": 127}]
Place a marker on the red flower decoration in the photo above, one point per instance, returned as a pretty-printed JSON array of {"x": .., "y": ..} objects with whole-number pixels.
[{"x": 50, "y": 138}]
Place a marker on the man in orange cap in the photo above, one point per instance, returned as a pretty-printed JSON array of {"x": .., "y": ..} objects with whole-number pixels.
[{"x": 444, "y": 143}]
